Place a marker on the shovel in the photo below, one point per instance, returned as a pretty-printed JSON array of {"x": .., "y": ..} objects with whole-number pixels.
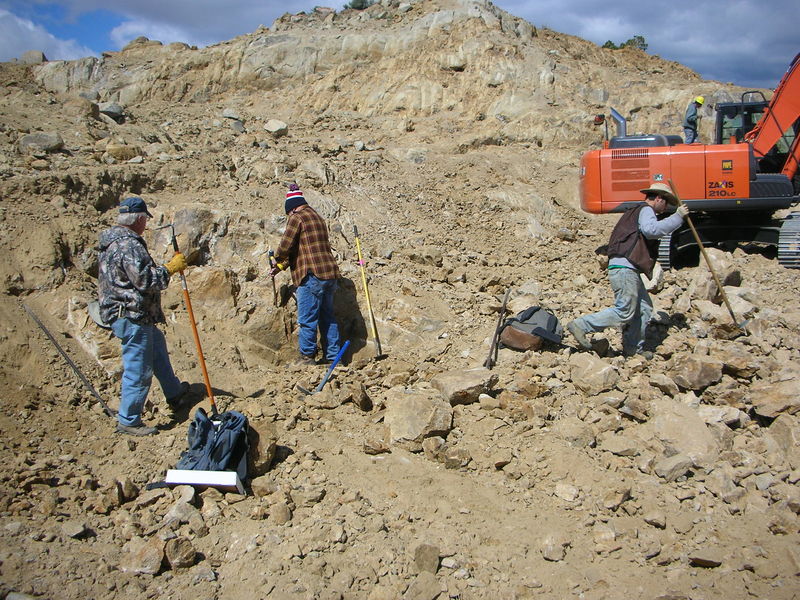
[
  {"x": 741, "y": 325},
  {"x": 328, "y": 374}
]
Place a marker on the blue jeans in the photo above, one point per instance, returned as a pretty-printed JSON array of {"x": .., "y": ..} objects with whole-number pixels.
[
  {"x": 690, "y": 135},
  {"x": 632, "y": 310},
  {"x": 144, "y": 354},
  {"x": 315, "y": 310}
]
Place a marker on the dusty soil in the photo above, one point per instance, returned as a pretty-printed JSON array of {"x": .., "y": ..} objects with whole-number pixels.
[{"x": 455, "y": 153}]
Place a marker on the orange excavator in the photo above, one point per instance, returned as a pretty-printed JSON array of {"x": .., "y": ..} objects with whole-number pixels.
[{"x": 734, "y": 186}]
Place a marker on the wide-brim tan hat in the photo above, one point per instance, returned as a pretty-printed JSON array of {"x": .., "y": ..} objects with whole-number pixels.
[{"x": 662, "y": 189}]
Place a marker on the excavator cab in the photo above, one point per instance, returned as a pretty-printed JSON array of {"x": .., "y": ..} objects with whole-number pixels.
[{"x": 735, "y": 119}]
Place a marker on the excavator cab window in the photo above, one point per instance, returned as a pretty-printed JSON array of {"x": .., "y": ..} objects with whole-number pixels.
[
  {"x": 778, "y": 155},
  {"x": 736, "y": 119}
]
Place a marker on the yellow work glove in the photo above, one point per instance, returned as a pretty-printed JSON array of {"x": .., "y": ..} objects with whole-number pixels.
[{"x": 176, "y": 263}]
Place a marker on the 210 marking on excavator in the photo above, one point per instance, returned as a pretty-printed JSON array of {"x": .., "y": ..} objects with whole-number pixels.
[{"x": 720, "y": 189}]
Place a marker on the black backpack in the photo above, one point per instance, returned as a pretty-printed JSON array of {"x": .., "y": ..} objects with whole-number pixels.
[
  {"x": 217, "y": 447},
  {"x": 530, "y": 329}
]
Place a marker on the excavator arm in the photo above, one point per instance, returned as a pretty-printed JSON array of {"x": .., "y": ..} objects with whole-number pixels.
[{"x": 780, "y": 123}]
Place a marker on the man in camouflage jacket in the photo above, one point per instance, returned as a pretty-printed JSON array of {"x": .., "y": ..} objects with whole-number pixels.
[{"x": 130, "y": 285}]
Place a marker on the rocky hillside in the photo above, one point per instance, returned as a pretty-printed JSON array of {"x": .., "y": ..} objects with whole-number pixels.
[{"x": 449, "y": 132}]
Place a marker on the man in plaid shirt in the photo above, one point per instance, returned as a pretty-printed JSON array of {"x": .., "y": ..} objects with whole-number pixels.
[{"x": 305, "y": 249}]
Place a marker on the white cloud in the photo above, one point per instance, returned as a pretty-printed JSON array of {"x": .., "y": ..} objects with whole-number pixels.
[
  {"x": 197, "y": 22},
  {"x": 742, "y": 41},
  {"x": 17, "y": 36}
]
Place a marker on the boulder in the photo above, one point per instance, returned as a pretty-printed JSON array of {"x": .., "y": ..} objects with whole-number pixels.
[
  {"x": 785, "y": 431},
  {"x": 682, "y": 431},
  {"x": 276, "y": 128},
  {"x": 426, "y": 558},
  {"x": 426, "y": 255},
  {"x": 703, "y": 286},
  {"x": 113, "y": 110},
  {"x": 591, "y": 374},
  {"x": 263, "y": 440},
  {"x": 180, "y": 553},
  {"x": 464, "y": 386},
  {"x": 720, "y": 482},
  {"x": 32, "y": 57},
  {"x": 722, "y": 414},
  {"x": 672, "y": 467},
  {"x": 773, "y": 399},
  {"x": 142, "y": 555},
  {"x": 123, "y": 151},
  {"x": 696, "y": 372},
  {"x": 621, "y": 445},
  {"x": 413, "y": 415},
  {"x": 706, "y": 557},
  {"x": 197, "y": 229},
  {"x": 738, "y": 361},
  {"x": 41, "y": 141}
]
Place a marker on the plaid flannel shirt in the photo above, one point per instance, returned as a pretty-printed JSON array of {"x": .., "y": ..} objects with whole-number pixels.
[{"x": 305, "y": 246}]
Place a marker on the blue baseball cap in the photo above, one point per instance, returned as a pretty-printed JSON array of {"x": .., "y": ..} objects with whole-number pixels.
[{"x": 134, "y": 204}]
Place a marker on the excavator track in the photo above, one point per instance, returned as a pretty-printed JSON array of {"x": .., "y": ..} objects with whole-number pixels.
[
  {"x": 789, "y": 242},
  {"x": 665, "y": 252}
]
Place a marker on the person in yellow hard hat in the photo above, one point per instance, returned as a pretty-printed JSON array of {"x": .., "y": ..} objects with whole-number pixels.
[{"x": 690, "y": 120}]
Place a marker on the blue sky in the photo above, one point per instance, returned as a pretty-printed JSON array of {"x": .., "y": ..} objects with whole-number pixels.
[{"x": 747, "y": 42}]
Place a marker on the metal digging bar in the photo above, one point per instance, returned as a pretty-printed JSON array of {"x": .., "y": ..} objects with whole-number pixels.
[
  {"x": 272, "y": 264},
  {"x": 75, "y": 368},
  {"x": 378, "y": 351},
  {"x": 741, "y": 325},
  {"x": 491, "y": 360},
  {"x": 188, "y": 301}
]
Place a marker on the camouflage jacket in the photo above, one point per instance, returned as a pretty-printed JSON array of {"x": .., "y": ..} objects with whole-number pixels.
[{"x": 130, "y": 282}]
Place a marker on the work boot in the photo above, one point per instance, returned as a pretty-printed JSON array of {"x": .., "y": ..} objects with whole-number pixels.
[
  {"x": 579, "y": 334},
  {"x": 305, "y": 360},
  {"x": 140, "y": 429},
  {"x": 643, "y": 354},
  {"x": 181, "y": 400}
]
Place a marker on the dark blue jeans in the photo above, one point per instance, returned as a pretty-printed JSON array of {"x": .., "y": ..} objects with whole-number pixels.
[
  {"x": 144, "y": 354},
  {"x": 315, "y": 311}
]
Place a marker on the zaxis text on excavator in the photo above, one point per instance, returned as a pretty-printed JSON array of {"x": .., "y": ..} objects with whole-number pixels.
[{"x": 733, "y": 186}]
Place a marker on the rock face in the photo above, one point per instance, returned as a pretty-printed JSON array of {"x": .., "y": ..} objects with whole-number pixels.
[{"x": 449, "y": 133}]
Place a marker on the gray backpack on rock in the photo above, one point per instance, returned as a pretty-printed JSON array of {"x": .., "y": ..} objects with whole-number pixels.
[{"x": 530, "y": 329}]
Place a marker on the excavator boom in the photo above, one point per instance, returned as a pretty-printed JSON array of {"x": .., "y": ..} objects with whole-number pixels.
[{"x": 780, "y": 123}]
